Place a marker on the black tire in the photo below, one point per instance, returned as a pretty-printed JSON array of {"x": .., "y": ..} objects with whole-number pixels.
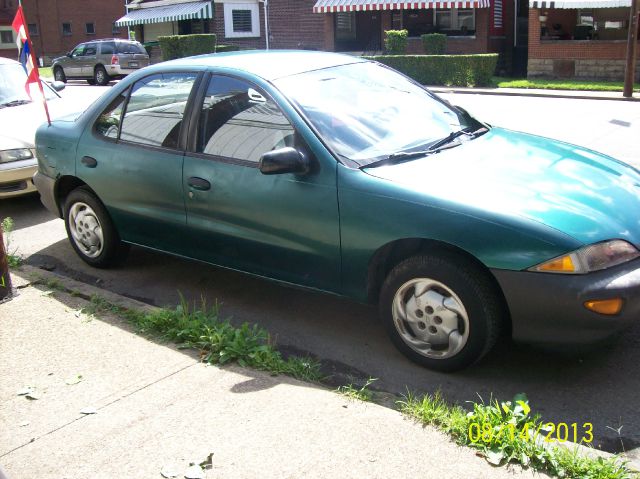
[
  {"x": 91, "y": 81},
  {"x": 84, "y": 202},
  {"x": 472, "y": 288},
  {"x": 100, "y": 76},
  {"x": 58, "y": 74}
]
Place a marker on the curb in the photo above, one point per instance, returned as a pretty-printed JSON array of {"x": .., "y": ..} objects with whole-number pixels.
[
  {"x": 29, "y": 275},
  {"x": 536, "y": 93}
]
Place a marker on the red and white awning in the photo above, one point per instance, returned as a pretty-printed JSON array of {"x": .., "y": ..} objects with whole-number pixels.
[{"x": 332, "y": 6}]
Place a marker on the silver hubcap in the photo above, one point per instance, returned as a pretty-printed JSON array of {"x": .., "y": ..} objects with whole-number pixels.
[
  {"x": 430, "y": 318},
  {"x": 86, "y": 230},
  {"x": 58, "y": 75},
  {"x": 99, "y": 76}
]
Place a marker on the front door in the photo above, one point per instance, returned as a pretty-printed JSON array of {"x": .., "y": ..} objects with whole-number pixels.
[
  {"x": 89, "y": 59},
  {"x": 133, "y": 160},
  {"x": 281, "y": 226}
]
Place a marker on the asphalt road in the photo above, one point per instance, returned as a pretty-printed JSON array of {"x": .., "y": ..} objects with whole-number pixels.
[{"x": 598, "y": 386}]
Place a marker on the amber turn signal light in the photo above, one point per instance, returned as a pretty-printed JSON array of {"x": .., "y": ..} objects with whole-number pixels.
[{"x": 605, "y": 306}]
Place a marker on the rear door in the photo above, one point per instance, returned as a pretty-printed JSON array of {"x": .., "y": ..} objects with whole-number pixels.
[
  {"x": 282, "y": 226},
  {"x": 89, "y": 59},
  {"x": 133, "y": 159}
]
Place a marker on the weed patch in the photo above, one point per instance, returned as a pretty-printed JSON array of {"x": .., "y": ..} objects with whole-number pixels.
[
  {"x": 358, "y": 393},
  {"x": 507, "y": 432},
  {"x": 13, "y": 259},
  {"x": 218, "y": 341}
]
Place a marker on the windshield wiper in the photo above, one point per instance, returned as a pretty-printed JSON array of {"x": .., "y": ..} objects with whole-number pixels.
[
  {"x": 14, "y": 103},
  {"x": 401, "y": 156}
]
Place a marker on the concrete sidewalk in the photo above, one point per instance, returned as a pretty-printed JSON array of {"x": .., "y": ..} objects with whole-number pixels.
[
  {"x": 159, "y": 407},
  {"x": 542, "y": 93}
]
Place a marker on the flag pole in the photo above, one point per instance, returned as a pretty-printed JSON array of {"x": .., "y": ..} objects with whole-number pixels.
[{"x": 35, "y": 64}]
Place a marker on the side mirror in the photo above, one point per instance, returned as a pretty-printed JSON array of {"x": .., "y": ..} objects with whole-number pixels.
[
  {"x": 58, "y": 85},
  {"x": 69, "y": 54},
  {"x": 283, "y": 160}
]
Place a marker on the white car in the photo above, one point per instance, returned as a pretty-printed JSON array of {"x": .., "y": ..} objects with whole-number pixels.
[{"x": 19, "y": 119}]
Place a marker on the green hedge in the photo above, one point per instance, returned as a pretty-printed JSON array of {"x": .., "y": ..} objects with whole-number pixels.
[
  {"x": 434, "y": 43},
  {"x": 395, "y": 41},
  {"x": 459, "y": 70},
  {"x": 179, "y": 46}
]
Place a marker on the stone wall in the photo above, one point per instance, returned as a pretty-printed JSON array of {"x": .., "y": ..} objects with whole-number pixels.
[{"x": 580, "y": 69}]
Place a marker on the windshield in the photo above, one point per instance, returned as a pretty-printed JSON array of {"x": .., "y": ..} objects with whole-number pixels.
[
  {"x": 366, "y": 112},
  {"x": 12, "y": 86}
]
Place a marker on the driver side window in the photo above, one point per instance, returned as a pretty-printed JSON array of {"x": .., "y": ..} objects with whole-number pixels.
[
  {"x": 78, "y": 51},
  {"x": 239, "y": 122}
]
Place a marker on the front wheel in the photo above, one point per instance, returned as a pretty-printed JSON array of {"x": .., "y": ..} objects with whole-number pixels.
[
  {"x": 90, "y": 229},
  {"x": 58, "y": 75},
  {"x": 441, "y": 311}
]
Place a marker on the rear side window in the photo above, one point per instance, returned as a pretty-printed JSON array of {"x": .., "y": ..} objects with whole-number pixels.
[
  {"x": 108, "y": 123},
  {"x": 155, "y": 109},
  {"x": 237, "y": 121},
  {"x": 107, "y": 48},
  {"x": 131, "y": 48}
]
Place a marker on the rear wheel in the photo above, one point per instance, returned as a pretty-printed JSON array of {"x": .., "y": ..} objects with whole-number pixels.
[
  {"x": 58, "y": 74},
  {"x": 100, "y": 76},
  {"x": 90, "y": 229},
  {"x": 441, "y": 311}
]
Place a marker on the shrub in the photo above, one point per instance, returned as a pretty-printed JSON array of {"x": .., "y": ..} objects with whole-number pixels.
[
  {"x": 395, "y": 41},
  {"x": 179, "y": 46},
  {"x": 459, "y": 70},
  {"x": 434, "y": 43}
]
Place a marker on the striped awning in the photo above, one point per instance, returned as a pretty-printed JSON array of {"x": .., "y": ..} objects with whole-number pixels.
[
  {"x": 169, "y": 13},
  {"x": 579, "y": 4},
  {"x": 331, "y": 6}
]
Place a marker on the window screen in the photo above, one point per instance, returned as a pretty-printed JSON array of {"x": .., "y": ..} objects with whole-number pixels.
[
  {"x": 155, "y": 109},
  {"x": 241, "y": 20},
  {"x": 238, "y": 122}
]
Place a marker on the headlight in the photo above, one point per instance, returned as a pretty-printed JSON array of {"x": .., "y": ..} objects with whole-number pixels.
[
  {"x": 7, "y": 156},
  {"x": 590, "y": 258}
]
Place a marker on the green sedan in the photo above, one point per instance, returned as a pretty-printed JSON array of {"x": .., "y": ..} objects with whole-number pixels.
[{"x": 339, "y": 174}]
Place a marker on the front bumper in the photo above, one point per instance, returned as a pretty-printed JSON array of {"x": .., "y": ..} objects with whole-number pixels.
[
  {"x": 15, "y": 179},
  {"x": 550, "y": 308},
  {"x": 46, "y": 186}
]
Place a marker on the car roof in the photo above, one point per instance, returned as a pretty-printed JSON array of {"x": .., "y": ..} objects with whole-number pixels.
[{"x": 268, "y": 64}]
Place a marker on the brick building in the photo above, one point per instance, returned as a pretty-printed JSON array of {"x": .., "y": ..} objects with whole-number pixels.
[
  {"x": 583, "y": 39},
  {"x": 56, "y": 26}
]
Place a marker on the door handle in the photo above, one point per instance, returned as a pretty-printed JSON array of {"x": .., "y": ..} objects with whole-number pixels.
[
  {"x": 199, "y": 183},
  {"x": 89, "y": 162}
]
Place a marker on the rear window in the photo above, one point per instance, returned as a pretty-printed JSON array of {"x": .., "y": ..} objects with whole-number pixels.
[
  {"x": 125, "y": 47},
  {"x": 108, "y": 48}
]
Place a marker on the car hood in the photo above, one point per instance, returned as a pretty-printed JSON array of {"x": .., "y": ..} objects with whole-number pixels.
[
  {"x": 584, "y": 194},
  {"x": 19, "y": 123}
]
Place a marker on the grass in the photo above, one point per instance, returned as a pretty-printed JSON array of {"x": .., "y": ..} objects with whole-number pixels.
[
  {"x": 507, "y": 433},
  {"x": 45, "y": 72},
  {"x": 543, "y": 84},
  {"x": 218, "y": 341},
  {"x": 361, "y": 394},
  {"x": 13, "y": 259}
]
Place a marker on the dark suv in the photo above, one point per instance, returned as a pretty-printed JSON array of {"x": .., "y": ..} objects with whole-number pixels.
[{"x": 99, "y": 61}]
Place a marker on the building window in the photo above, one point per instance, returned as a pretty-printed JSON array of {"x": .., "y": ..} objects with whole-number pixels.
[
  {"x": 345, "y": 26},
  {"x": 6, "y": 36},
  {"x": 90, "y": 28},
  {"x": 33, "y": 29},
  {"x": 66, "y": 28},
  {"x": 455, "y": 21},
  {"x": 241, "y": 20},
  {"x": 115, "y": 29}
]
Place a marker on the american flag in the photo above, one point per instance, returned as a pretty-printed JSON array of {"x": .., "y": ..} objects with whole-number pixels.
[{"x": 27, "y": 57}]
